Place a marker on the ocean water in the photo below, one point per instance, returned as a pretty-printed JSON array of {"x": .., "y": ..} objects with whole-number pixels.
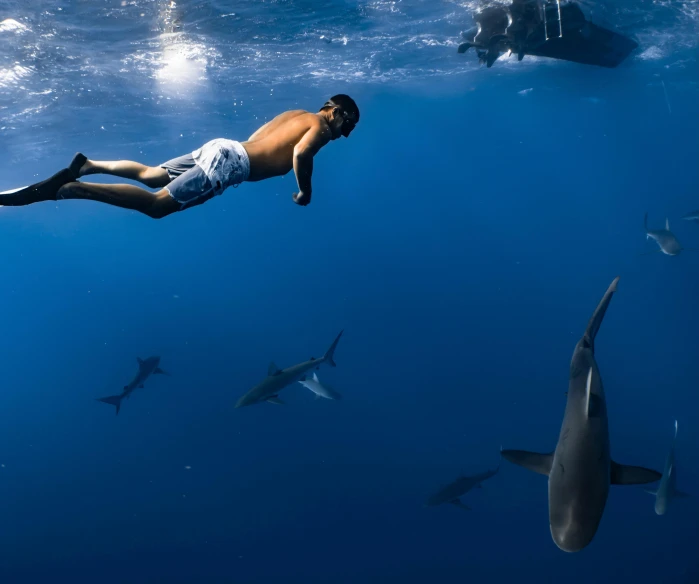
[{"x": 461, "y": 237}]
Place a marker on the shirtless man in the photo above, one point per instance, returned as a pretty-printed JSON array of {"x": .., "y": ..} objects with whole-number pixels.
[{"x": 290, "y": 140}]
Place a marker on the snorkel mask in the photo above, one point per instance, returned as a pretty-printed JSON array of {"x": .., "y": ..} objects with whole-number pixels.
[{"x": 347, "y": 124}]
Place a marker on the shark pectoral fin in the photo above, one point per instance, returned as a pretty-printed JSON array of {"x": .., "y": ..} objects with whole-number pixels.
[
  {"x": 623, "y": 474},
  {"x": 460, "y": 505},
  {"x": 681, "y": 494},
  {"x": 273, "y": 370},
  {"x": 463, "y": 47},
  {"x": 160, "y": 371},
  {"x": 539, "y": 463},
  {"x": 273, "y": 399}
]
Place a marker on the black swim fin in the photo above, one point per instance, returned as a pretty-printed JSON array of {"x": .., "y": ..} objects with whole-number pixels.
[{"x": 42, "y": 191}]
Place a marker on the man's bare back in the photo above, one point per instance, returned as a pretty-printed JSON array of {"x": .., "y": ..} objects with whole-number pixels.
[
  {"x": 271, "y": 148},
  {"x": 289, "y": 141}
]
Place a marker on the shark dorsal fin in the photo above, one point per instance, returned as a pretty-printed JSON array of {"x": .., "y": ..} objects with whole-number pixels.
[
  {"x": 667, "y": 223},
  {"x": 273, "y": 369}
]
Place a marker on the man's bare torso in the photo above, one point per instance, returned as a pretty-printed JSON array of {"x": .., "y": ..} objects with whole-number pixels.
[{"x": 271, "y": 148}]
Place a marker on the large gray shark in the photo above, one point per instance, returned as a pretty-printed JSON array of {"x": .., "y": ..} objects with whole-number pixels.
[
  {"x": 319, "y": 389},
  {"x": 146, "y": 368},
  {"x": 580, "y": 470},
  {"x": 666, "y": 240},
  {"x": 277, "y": 379},
  {"x": 693, "y": 216},
  {"x": 452, "y": 492},
  {"x": 667, "y": 490}
]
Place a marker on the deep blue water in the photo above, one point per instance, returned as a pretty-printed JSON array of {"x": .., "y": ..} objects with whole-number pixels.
[{"x": 462, "y": 237}]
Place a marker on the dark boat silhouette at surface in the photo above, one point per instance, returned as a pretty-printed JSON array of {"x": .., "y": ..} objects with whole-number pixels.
[{"x": 544, "y": 29}]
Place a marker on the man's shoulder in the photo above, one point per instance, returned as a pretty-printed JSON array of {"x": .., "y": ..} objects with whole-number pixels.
[
  {"x": 307, "y": 121},
  {"x": 293, "y": 114}
]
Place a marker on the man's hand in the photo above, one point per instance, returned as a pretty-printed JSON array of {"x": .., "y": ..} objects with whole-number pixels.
[{"x": 302, "y": 199}]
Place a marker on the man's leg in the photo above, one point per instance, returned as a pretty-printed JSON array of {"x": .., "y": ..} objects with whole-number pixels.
[
  {"x": 151, "y": 176},
  {"x": 156, "y": 205}
]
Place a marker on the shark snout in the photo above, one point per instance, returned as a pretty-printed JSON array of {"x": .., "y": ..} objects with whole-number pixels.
[
  {"x": 660, "y": 506},
  {"x": 572, "y": 538},
  {"x": 243, "y": 401}
]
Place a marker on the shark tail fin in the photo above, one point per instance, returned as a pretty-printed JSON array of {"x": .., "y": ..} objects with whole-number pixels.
[
  {"x": 328, "y": 357},
  {"x": 114, "y": 400},
  {"x": 596, "y": 319}
]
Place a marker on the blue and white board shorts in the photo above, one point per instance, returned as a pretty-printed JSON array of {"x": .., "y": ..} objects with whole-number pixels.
[{"x": 207, "y": 172}]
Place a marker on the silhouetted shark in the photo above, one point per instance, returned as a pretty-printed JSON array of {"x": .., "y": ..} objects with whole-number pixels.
[
  {"x": 666, "y": 240},
  {"x": 277, "y": 379},
  {"x": 319, "y": 389},
  {"x": 580, "y": 470},
  {"x": 452, "y": 492},
  {"x": 667, "y": 490},
  {"x": 146, "y": 368},
  {"x": 693, "y": 216}
]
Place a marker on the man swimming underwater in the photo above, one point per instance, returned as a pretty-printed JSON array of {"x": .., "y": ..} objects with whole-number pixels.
[{"x": 290, "y": 140}]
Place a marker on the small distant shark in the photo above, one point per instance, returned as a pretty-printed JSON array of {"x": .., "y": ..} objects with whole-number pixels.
[
  {"x": 452, "y": 492},
  {"x": 277, "y": 379},
  {"x": 693, "y": 216},
  {"x": 667, "y": 489},
  {"x": 146, "y": 368},
  {"x": 320, "y": 390},
  {"x": 580, "y": 470},
  {"x": 666, "y": 240}
]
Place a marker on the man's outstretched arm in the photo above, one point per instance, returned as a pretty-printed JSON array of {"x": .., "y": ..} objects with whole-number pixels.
[{"x": 313, "y": 140}]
